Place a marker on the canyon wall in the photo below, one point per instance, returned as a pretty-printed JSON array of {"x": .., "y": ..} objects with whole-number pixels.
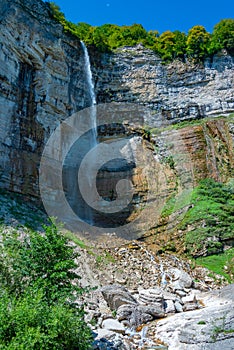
[
  {"x": 42, "y": 82},
  {"x": 174, "y": 92}
]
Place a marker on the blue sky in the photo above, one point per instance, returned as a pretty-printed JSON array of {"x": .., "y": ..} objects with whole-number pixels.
[{"x": 159, "y": 15}]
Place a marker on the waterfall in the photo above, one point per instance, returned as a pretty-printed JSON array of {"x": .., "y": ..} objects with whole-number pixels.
[
  {"x": 88, "y": 73},
  {"x": 89, "y": 80},
  {"x": 91, "y": 122}
]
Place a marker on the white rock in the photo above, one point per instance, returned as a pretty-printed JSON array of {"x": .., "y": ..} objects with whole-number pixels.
[
  {"x": 169, "y": 307},
  {"x": 151, "y": 295},
  {"x": 181, "y": 293},
  {"x": 169, "y": 296},
  {"x": 103, "y": 333},
  {"x": 178, "y": 307},
  {"x": 113, "y": 325},
  {"x": 189, "y": 299}
]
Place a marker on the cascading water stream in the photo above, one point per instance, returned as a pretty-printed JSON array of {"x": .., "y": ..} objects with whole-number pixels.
[
  {"x": 89, "y": 79},
  {"x": 89, "y": 74},
  {"x": 92, "y": 121}
]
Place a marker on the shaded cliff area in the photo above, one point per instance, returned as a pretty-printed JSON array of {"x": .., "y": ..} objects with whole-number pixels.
[{"x": 42, "y": 83}]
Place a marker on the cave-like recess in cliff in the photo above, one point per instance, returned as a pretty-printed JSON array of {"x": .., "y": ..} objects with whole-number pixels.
[{"x": 108, "y": 176}]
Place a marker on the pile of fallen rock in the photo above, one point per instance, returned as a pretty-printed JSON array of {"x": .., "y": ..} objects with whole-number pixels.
[
  {"x": 137, "y": 290},
  {"x": 122, "y": 315}
]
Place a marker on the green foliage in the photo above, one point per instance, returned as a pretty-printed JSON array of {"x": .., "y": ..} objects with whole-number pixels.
[
  {"x": 46, "y": 260},
  {"x": 197, "y": 42},
  {"x": 201, "y": 322},
  {"x": 170, "y": 161},
  {"x": 171, "y": 45},
  {"x": 223, "y": 36},
  {"x": 197, "y": 45},
  {"x": 146, "y": 133},
  {"x": 57, "y": 14},
  {"x": 221, "y": 264},
  {"x": 38, "y": 293},
  {"x": 211, "y": 216},
  {"x": 29, "y": 322}
]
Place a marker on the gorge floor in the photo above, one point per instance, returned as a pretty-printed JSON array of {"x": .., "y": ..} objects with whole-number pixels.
[{"x": 140, "y": 299}]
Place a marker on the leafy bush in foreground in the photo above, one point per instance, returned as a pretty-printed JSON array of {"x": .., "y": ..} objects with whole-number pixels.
[{"x": 38, "y": 293}]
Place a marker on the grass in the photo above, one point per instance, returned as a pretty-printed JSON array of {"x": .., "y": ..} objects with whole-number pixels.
[
  {"x": 168, "y": 208},
  {"x": 176, "y": 202},
  {"x": 190, "y": 123},
  {"x": 218, "y": 329},
  {"x": 217, "y": 263},
  {"x": 71, "y": 236},
  {"x": 105, "y": 259},
  {"x": 211, "y": 218}
]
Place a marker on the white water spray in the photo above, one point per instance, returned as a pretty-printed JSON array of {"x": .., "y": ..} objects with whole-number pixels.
[
  {"x": 89, "y": 76},
  {"x": 92, "y": 121},
  {"x": 89, "y": 79}
]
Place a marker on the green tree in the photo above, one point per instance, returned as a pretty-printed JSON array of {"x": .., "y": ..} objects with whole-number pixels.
[
  {"x": 138, "y": 33},
  {"x": 171, "y": 45},
  {"x": 82, "y": 30},
  {"x": 166, "y": 44},
  {"x": 28, "y": 322},
  {"x": 56, "y": 13},
  {"x": 151, "y": 40},
  {"x": 197, "y": 42},
  {"x": 39, "y": 291},
  {"x": 180, "y": 44},
  {"x": 223, "y": 36},
  {"x": 100, "y": 39},
  {"x": 43, "y": 259}
]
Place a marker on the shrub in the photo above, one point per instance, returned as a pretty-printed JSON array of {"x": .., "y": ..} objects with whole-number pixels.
[
  {"x": 211, "y": 216},
  {"x": 29, "y": 322},
  {"x": 39, "y": 291}
]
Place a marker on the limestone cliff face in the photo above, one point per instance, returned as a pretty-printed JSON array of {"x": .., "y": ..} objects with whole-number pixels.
[
  {"x": 173, "y": 92},
  {"x": 42, "y": 82}
]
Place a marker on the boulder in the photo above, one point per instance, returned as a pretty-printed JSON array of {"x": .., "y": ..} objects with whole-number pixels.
[
  {"x": 169, "y": 296},
  {"x": 169, "y": 307},
  {"x": 108, "y": 340},
  {"x": 151, "y": 295},
  {"x": 190, "y": 302},
  {"x": 178, "y": 306},
  {"x": 116, "y": 296},
  {"x": 113, "y": 325},
  {"x": 138, "y": 314},
  {"x": 209, "y": 328},
  {"x": 181, "y": 279}
]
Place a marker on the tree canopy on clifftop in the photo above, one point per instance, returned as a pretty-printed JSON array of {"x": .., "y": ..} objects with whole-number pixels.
[{"x": 197, "y": 44}]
